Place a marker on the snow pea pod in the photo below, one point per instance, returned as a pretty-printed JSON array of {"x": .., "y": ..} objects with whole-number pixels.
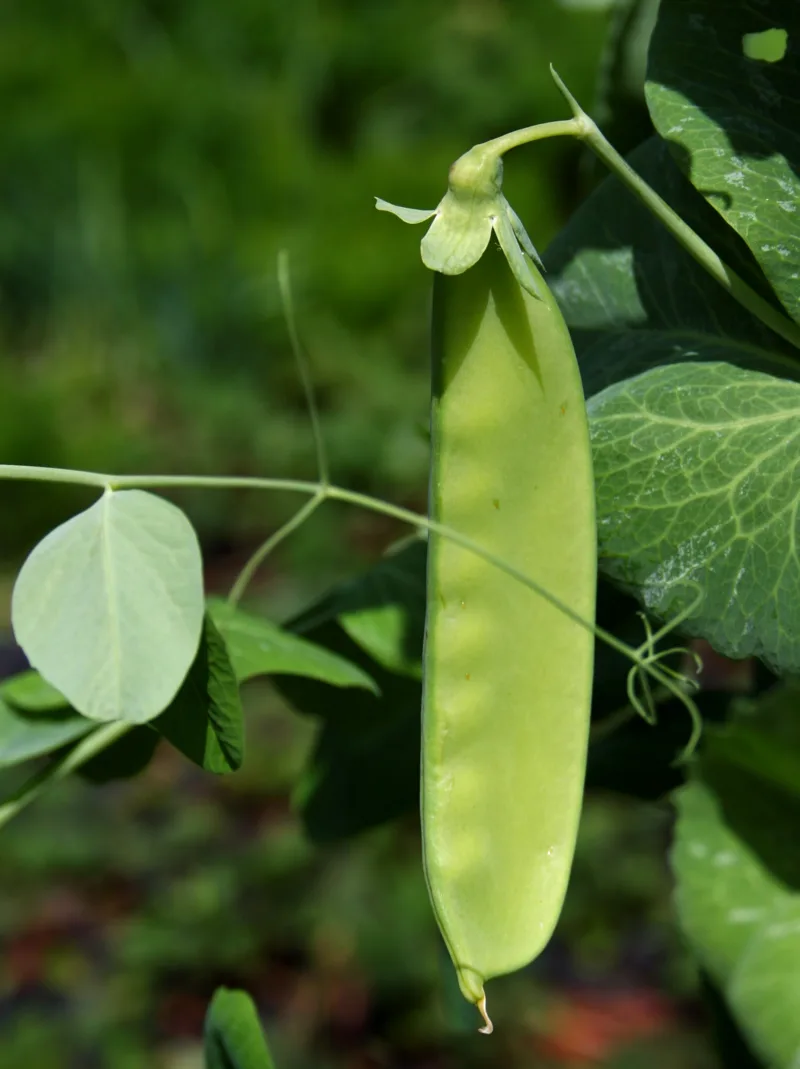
[{"x": 507, "y": 675}]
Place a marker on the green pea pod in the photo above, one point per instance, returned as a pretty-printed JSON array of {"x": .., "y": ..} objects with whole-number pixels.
[
  {"x": 507, "y": 675},
  {"x": 507, "y": 685}
]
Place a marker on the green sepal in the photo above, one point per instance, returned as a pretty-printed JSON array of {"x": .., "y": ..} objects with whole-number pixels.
[
  {"x": 408, "y": 215},
  {"x": 522, "y": 271}
]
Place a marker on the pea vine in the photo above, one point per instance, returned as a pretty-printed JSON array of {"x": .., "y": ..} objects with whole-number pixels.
[
  {"x": 110, "y": 606},
  {"x": 647, "y": 668}
]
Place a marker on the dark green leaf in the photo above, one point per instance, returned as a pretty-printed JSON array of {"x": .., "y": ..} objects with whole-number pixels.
[
  {"x": 764, "y": 739},
  {"x": 634, "y": 299},
  {"x": 734, "y": 121},
  {"x": 697, "y": 491},
  {"x": 233, "y": 1035},
  {"x": 123, "y": 759},
  {"x": 30, "y": 692},
  {"x": 733, "y": 1049},
  {"x": 258, "y": 647},
  {"x": 637, "y": 758},
  {"x": 205, "y": 720},
  {"x": 27, "y": 734},
  {"x": 621, "y": 110},
  {"x": 752, "y": 763},
  {"x": 364, "y": 769},
  {"x": 754, "y": 752},
  {"x": 383, "y": 610},
  {"x": 61, "y": 766},
  {"x": 629, "y": 757},
  {"x": 743, "y": 922},
  {"x": 610, "y": 356},
  {"x": 761, "y": 815}
]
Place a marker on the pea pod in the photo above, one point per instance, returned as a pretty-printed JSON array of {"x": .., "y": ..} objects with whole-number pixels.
[{"x": 507, "y": 676}]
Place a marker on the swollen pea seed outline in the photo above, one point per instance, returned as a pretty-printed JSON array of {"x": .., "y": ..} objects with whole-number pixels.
[{"x": 497, "y": 900}]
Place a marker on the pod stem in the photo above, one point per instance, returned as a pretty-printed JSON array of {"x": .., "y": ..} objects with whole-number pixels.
[
  {"x": 689, "y": 239},
  {"x": 584, "y": 127},
  {"x": 561, "y": 128},
  {"x": 488, "y": 1027}
]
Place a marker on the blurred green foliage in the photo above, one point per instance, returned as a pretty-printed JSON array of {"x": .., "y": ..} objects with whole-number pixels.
[
  {"x": 117, "y": 931},
  {"x": 154, "y": 157}
]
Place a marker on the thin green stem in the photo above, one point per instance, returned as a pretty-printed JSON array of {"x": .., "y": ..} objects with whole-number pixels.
[
  {"x": 209, "y": 482},
  {"x": 304, "y": 370},
  {"x": 333, "y": 493},
  {"x": 351, "y": 497},
  {"x": 32, "y": 473},
  {"x": 692, "y": 242},
  {"x": 561, "y": 128},
  {"x": 103, "y": 481},
  {"x": 584, "y": 127},
  {"x": 87, "y": 748},
  {"x": 610, "y": 724},
  {"x": 674, "y": 685},
  {"x": 644, "y": 659},
  {"x": 245, "y": 577}
]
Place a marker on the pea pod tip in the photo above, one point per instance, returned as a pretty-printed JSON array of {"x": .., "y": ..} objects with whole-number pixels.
[{"x": 488, "y": 1027}]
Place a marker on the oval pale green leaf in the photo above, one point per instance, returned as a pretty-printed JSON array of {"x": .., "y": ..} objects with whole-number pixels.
[
  {"x": 257, "y": 647},
  {"x": 109, "y": 606}
]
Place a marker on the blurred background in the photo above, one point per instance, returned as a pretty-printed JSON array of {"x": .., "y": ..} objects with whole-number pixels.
[{"x": 154, "y": 158}]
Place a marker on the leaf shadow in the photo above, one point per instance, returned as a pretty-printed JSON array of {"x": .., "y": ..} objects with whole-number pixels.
[
  {"x": 749, "y": 99},
  {"x": 615, "y": 269}
]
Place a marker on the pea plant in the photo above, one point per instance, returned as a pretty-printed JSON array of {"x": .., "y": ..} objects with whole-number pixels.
[{"x": 631, "y": 412}]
